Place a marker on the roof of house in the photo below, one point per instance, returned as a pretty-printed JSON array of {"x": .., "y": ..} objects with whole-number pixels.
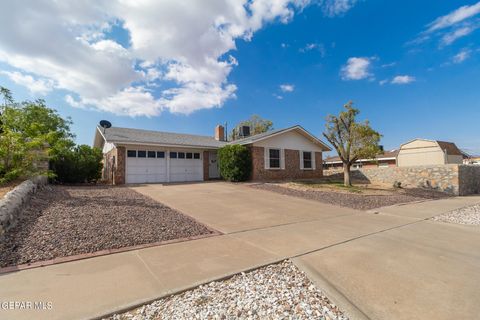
[
  {"x": 386, "y": 155},
  {"x": 450, "y": 147},
  {"x": 139, "y": 136},
  {"x": 268, "y": 134}
]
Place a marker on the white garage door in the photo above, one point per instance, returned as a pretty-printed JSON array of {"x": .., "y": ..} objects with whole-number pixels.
[
  {"x": 185, "y": 166},
  {"x": 146, "y": 166},
  {"x": 150, "y": 166}
]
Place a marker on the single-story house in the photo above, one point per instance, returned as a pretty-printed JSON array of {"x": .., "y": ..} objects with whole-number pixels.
[
  {"x": 428, "y": 152},
  {"x": 385, "y": 159},
  {"x": 143, "y": 156}
]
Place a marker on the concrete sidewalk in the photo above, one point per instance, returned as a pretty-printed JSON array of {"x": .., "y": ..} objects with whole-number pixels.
[
  {"x": 370, "y": 263},
  {"x": 424, "y": 270}
]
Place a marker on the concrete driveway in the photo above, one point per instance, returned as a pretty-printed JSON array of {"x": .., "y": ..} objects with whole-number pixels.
[
  {"x": 231, "y": 208},
  {"x": 392, "y": 264}
]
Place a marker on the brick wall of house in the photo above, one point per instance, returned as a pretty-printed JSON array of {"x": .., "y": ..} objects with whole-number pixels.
[
  {"x": 292, "y": 166},
  {"x": 119, "y": 177},
  {"x": 206, "y": 160},
  {"x": 114, "y": 166}
]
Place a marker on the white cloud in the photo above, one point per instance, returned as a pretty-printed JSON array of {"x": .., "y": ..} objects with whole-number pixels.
[
  {"x": 314, "y": 47},
  {"x": 35, "y": 86},
  {"x": 333, "y": 8},
  {"x": 388, "y": 65},
  {"x": 287, "y": 87},
  {"x": 176, "y": 47},
  {"x": 454, "y": 17},
  {"x": 279, "y": 97},
  {"x": 356, "y": 68},
  {"x": 452, "y": 26},
  {"x": 404, "y": 79},
  {"x": 450, "y": 37},
  {"x": 463, "y": 55}
]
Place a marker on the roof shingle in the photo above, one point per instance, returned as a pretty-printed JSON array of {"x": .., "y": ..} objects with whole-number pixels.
[{"x": 128, "y": 135}]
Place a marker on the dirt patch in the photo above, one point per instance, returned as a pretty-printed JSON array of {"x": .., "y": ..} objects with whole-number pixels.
[
  {"x": 356, "y": 200},
  {"x": 62, "y": 221}
]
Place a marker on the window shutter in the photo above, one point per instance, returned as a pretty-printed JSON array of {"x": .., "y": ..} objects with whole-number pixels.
[
  {"x": 266, "y": 158},
  {"x": 282, "y": 158},
  {"x": 313, "y": 160},
  {"x": 301, "y": 160}
]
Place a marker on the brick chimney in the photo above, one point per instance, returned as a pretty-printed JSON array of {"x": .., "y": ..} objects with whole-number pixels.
[{"x": 219, "y": 133}]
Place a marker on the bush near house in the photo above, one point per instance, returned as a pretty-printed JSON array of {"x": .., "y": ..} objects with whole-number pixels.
[
  {"x": 78, "y": 165},
  {"x": 235, "y": 162}
]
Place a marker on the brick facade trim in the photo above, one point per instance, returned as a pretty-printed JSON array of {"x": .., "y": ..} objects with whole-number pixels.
[{"x": 206, "y": 165}]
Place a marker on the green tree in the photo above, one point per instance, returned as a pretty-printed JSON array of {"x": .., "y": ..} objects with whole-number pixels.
[
  {"x": 235, "y": 162},
  {"x": 30, "y": 133},
  {"x": 256, "y": 123},
  {"x": 351, "y": 139}
]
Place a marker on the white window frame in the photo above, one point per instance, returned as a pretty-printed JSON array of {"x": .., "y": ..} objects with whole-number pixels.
[
  {"x": 312, "y": 159},
  {"x": 267, "y": 159}
]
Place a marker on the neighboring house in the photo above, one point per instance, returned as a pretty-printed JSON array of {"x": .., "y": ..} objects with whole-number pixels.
[
  {"x": 472, "y": 160},
  {"x": 141, "y": 156},
  {"x": 385, "y": 159},
  {"x": 428, "y": 152}
]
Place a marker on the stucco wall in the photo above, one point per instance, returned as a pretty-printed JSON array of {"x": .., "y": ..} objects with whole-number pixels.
[
  {"x": 292, "y": 166},
  {"x": 454, "y": 159},
  {"x": 290, "y": 140}
]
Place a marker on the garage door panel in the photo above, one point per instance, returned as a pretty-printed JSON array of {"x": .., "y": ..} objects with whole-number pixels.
[{"x": 151, "y": 170}]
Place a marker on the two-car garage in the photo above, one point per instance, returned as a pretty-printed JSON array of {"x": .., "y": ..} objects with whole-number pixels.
[{"x": 149, "y": 165}]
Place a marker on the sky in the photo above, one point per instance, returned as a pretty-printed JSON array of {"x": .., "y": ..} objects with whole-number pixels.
[{"x": 411, "y": 67}]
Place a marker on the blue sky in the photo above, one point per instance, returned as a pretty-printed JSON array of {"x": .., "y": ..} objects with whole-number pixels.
[{"x": 412, "y": 67}]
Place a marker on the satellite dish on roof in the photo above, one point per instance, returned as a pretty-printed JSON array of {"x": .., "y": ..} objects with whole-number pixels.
[{"x": 105, "y": 124}]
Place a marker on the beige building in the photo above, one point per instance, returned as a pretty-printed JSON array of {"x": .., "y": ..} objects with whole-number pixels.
[{"x": 428, "y": 152}]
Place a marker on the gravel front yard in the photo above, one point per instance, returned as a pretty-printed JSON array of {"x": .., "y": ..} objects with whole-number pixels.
[
  {"x": 468, "y": 215},
  {"x": 69, "y": 220},
  {"x": 278, "y": 291},
  {"x": 354, "y": 200}
]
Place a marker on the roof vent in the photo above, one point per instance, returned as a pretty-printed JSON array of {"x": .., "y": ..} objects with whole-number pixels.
[{"x": 244, "y": 131}]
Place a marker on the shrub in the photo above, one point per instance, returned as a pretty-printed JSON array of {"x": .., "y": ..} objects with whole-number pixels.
[
  {"x": 78, "y": 165},
  {"x": 235, "y": 162}
]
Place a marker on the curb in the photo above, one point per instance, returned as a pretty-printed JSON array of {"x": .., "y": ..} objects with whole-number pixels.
[{"x": 349, "y": 308}]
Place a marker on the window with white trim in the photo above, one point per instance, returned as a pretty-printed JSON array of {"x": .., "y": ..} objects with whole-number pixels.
[
  {"x": 274, "y": 158},
  {"x": 307, "y": 160}
]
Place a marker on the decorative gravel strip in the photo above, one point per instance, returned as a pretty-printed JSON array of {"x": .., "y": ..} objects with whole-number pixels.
[
  {"x": 62, "y": 221},
  {"x": 355, "y": 200},
  {"x": 468, "y": 215},
  {"x": 278, "y": 291}
]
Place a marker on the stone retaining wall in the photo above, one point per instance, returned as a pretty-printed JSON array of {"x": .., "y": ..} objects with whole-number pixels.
[
  {"x": 469, "y": 176},
  {"x": 453, "y": 178},
  {"x": 13, "y": 202}
]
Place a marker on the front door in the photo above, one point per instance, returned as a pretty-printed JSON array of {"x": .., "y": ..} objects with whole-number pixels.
[{"x": 213, "y": 172}]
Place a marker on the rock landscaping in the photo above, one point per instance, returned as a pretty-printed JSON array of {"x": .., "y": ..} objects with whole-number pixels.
[
  {"x": 61, "y": 221},
  {"x": 468, "y": 215},
  {"x": 278, "y": 291},
  {"x": 353, "y": 199}
]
